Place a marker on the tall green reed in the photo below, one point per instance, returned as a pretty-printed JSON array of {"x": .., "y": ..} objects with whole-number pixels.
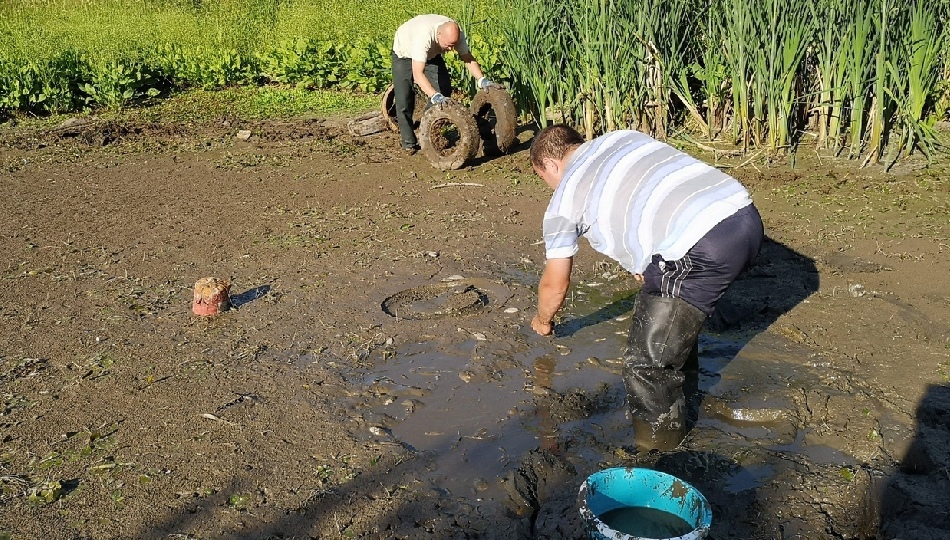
[
  {"x": 915, "y": 72},
  {"x": 535, "y": 52},
  {"x": 738, "y": 36}
]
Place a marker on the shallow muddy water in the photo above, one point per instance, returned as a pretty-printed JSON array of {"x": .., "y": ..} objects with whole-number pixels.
[{"x": 476, "y": 407}]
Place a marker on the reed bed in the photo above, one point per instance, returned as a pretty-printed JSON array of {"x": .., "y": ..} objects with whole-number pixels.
[{"x": 862, "y": 78}]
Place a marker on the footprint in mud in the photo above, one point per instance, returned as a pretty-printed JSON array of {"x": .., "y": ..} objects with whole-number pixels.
[{"x": 543, "y": 490}]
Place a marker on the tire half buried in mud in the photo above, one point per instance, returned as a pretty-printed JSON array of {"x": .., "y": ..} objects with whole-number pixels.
[
  {"x": 448, "y": 135},
  {"x": 389, "y": 108},
  {"x": 435, "y": 301},
  {"x": 496, "y": 117}
]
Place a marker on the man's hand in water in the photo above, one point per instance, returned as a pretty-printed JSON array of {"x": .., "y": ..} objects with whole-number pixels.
[{"x": 541, "y": 327}]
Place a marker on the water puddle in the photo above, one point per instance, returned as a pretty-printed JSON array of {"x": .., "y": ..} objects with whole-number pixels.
[{"x": 474, "y": 407}]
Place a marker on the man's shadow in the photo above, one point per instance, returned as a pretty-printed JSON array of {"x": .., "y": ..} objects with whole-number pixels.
[
  {"x": 488, "y": 152},
  {"x": 914, "y": 499}
]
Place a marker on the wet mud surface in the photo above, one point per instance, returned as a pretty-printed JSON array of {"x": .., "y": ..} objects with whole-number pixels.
[{"x": 377, "y": 377}]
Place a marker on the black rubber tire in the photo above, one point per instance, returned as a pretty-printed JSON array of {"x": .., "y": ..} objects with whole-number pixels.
[
  {"x": 448, "y": 152},
  {"x": 389, "y": 108},
  {"x": 494, "y": 112}
]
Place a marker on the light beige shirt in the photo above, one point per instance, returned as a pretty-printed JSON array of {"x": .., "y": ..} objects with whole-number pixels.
[{"x": 417, "y": 38}]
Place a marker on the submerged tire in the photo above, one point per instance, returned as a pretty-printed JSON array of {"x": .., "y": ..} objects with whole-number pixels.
[
  {"x": 448, "y": 135},
  {"x": 494, "y": 112},
  {"x": 389, "y": 108}
]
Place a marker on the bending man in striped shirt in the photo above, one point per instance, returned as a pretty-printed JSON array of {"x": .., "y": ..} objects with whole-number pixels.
[{"x": 685, "y": 230}]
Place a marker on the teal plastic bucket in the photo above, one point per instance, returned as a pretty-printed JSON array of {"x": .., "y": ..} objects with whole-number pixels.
[{"x": 643, "y": 504}]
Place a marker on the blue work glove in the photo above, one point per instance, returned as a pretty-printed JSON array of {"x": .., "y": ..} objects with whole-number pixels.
[
  {"x": 438, "y": 99},
  {"x": 484, "y": 83}
]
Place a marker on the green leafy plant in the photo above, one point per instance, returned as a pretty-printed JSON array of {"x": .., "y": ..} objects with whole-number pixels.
[
  {"x": 239, "y": 501},
  {"x": 118, "y": 82},
  {"x": 45, "y": 492}
]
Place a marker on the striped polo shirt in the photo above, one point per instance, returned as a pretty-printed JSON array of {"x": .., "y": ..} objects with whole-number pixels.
[{"x": 632, "y": 197}]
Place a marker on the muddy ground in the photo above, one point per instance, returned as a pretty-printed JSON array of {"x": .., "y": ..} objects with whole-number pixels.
[{"x": 825, "y": 399}]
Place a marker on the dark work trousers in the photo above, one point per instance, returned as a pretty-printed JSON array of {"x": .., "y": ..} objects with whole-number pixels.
[
  {"x": 405, "y": 94},
  {"x": 709, "y": 267}
]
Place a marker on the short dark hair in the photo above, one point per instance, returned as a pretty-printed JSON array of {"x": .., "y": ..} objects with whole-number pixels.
[{"x": 554, "y": 142}]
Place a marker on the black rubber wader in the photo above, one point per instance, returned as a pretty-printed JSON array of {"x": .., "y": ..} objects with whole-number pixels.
[{"x": 663, "y": 342}]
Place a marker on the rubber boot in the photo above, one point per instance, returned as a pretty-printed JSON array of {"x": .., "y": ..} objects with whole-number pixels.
[
  {"x": 694, "y": 397},
  {"x": 663, "y": 339}
]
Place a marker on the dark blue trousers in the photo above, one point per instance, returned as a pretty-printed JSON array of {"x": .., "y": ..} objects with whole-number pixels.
[{"x": 709, "y": 267}]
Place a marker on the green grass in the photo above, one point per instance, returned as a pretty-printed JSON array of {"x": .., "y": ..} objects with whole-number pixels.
[
  {"x": 247, "y": 102},
  {"x": 253, "y": 102},
  {"x": 108, "y": 28},
  {"x": 73, "y": 55}
]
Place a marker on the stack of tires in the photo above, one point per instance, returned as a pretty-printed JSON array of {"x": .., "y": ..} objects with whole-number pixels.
[{"x": 451, "y": 135}]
